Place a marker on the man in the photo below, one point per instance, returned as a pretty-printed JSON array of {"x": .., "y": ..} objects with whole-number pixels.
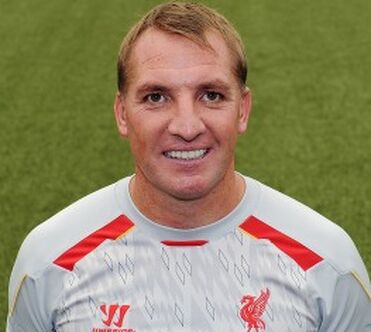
[{"x": 186, "y": 244}]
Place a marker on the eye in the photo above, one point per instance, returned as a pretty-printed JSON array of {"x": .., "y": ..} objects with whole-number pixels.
[
  {"x": 212, "y": 96},
  {"x": 155, "y": 97}
]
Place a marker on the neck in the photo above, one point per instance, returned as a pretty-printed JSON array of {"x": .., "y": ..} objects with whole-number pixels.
[{"x": 185, "y": 214}]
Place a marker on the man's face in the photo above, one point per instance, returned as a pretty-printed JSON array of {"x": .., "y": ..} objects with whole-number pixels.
[{"x": 182, "y": 112}]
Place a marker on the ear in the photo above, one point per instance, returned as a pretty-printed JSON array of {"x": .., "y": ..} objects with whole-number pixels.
[
  {"x": 244, "y": 111},
  {"x": 120, "y": 115}
]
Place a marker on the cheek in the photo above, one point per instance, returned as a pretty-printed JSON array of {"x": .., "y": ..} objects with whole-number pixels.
[
  {"x": 143, "y": 134},
  {"x": 228, "y": 140},
  {"x": 225, "y": 126}
]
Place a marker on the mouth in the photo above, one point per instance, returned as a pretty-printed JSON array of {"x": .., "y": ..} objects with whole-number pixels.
[{"x": 186, "y": 155}]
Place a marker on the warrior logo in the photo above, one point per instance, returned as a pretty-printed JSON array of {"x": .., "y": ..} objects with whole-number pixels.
[
  {"x": 113, "y": 318},
  {"x": 253, "y": 308},
  {"x": 111, "y": 312}
]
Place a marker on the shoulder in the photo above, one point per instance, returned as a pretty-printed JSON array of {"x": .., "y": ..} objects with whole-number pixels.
[
  {"x": 312, "y": 230},
  {"x": 54, "y": 236}
]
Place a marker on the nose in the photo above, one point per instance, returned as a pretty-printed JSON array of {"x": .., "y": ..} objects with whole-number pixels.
[{"x": 186, "y": 121}]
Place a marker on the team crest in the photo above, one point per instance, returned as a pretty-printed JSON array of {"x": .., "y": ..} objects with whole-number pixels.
[{"x": 252, "y": 309}]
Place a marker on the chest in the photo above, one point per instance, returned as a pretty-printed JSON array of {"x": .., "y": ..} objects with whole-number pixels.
[{"x": 233, "y": 284}]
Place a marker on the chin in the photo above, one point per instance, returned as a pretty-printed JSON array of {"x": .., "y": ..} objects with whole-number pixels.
[
  {"x": 190, "y": 191},
  {"x": 188, "y": 196}
]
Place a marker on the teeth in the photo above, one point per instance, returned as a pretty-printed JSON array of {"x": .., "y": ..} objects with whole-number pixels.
[{"x": 186, "y": 155}]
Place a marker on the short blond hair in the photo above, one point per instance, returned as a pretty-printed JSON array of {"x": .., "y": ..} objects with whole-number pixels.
[{"x": 190, "y": 20}]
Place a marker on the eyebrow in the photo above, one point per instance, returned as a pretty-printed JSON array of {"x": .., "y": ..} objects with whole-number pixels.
[
  {"x": 205, "y": 85},
  {"x": 215, "y": 84},
  {"x": 148, "y": 87}
]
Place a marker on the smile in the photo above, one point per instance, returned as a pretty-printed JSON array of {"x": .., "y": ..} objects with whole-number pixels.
[{"x": 186, "y": 155}]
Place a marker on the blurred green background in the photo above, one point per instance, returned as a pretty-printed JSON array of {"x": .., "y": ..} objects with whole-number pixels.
[{"x": 309, "y": 134}]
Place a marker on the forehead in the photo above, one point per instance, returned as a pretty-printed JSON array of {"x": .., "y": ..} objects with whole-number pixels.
[{"x": 161, "y": 53}]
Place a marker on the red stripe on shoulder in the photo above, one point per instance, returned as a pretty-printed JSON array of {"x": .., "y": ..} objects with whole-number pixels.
[
  {"x": 301, "y": 254},
  {"x": 113, "y": 230},
  {"x": 189, "y": 243}
]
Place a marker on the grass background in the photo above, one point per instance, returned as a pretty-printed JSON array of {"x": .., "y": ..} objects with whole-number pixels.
[{"x": 309, "y": 135}]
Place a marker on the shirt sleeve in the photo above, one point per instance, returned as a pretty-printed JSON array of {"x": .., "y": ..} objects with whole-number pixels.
[
  {"x": 349, "y": 308},
  {"x": 32, "y": 307}
]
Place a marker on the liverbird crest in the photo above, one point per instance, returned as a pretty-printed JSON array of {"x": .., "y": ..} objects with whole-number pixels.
[{"x": 253, "y": 308}]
